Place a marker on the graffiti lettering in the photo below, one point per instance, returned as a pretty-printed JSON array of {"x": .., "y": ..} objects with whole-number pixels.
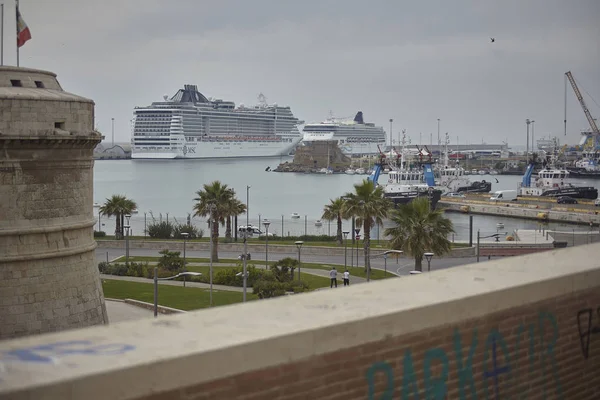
[
  {"x": 498, "y": 374},
  {"x": 586, "y": 329},
  {"x": 50, "y": 353}
]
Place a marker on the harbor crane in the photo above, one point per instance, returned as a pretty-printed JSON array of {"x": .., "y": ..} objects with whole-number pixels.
[{"x": 586, "y": 111}]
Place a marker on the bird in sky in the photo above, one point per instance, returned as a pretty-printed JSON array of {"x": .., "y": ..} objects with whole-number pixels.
[{"x": 493, "y": 39}]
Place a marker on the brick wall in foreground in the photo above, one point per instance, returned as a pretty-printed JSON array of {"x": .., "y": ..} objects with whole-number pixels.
[{"x": 531, "y": 352}]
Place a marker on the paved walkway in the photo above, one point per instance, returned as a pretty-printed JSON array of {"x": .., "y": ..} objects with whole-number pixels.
[
  {"x": 325, "y": 273},
  {"x": 119, "y": 311},
  {"x": 174, "y": 283}
]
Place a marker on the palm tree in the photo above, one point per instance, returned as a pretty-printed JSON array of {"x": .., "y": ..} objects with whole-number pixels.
[
  {"x": 370, "y": 207},
  {"x": 214, "y": 201},
  {"x": 234, "y": 208},
  {"x": 333, "y": 211},
  {"x": 118, "y": 206},
  {"x": 418, "y": 229}
]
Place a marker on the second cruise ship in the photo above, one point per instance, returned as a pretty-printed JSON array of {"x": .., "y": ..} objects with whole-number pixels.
[{"x": 355, "y": 137}]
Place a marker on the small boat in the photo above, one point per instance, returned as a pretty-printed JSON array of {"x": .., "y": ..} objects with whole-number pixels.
[
  {"x": 350, "y": 171},
  {"x": 360, "y": 171},
  {"x": 295, "y": 215},
  {"x": 318, "y": 223},
  {"x": 134, "y": 211},
  {"x": 96, "y": 205},
  {"x": 500, "y": 225}
]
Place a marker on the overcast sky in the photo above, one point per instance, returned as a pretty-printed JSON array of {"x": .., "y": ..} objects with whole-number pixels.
[{"x": 413, "y": 61}]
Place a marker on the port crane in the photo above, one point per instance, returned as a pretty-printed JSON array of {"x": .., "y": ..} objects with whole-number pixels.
[{"x": 586, "y": 111}]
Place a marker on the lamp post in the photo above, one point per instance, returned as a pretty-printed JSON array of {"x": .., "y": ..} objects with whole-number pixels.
[
  {"x": 299, "y": 244},
  {"x": 527, "y": 121},
  {"x": 113, "y": 132},
  {"x": 156, "y": 279},
  {"x": 266, "y": 223},
  {"x": 385, "y": 254},
  {"x": 438, "y": 134},
  {"x": 185, "y": 235},
  {"x": 210, "y": 239},
  {"x": 428, "y": 256},
  {"x": 532, "y": 137},
  {"x": 357, "y": 231},
  {"x": 245, "y": 262},
  {"x": 384, "y": 265},
  {"x": 345, "y": 248},
  {"x": 127, "y": 218},
  {"x": 391, "y": 121},
  {"x": 495, "y": 235}
]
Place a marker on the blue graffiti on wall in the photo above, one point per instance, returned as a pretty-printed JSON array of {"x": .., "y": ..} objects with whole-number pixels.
[
  {"x": 49, "y": 353},
  {"x": 498, "y": 367}
]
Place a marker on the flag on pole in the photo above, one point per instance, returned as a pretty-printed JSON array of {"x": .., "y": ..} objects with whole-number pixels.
[{"x": 23, "y": 33}]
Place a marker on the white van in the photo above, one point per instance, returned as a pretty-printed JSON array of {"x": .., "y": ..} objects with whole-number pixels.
[{"x": 504, "y": 195}]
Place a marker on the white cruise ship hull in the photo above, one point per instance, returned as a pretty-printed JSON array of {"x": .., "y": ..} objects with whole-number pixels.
[{"x": 180, "y": 148}]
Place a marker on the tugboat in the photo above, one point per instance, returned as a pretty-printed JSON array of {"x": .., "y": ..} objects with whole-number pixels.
[
  {"x": 454, "y": 180},
  {"x": 404, "y": 183},
  {"x": 553, "y": 182}
]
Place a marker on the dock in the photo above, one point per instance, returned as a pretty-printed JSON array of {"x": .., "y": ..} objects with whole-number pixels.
[{"x": 535, "y": 208}]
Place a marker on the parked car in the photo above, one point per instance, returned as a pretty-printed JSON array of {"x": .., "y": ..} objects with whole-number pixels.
[
  {"x": 597, "y": 202},
  {"x": 455, "y": 195},
  {"x": 566, "y": 200}
]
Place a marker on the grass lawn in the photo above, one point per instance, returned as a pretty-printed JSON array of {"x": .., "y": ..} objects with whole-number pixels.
[
  {"x": 171, "y": 296},
  {"x": 354, "y": 271}
]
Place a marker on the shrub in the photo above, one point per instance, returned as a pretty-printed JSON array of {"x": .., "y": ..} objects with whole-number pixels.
[
  {"x": 267, "y": 289},
  {"x": 191, "y": 230},
  {"x": 99, "y": 234},
  {"x": 170, "y": 260},
  {"x": 137, "y": 269},
  {"x": 161, "y": 230}
]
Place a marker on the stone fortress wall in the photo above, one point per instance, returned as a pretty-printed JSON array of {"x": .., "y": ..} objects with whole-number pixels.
[{"x": 48, "y": 277}]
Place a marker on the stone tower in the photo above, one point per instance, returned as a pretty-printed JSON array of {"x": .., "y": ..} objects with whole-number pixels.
[{"x": 48, "y": 275}]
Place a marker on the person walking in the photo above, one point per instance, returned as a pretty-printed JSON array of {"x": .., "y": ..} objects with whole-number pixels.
[
  {"x": 333, "y": 277},
  {"x": 346, "y": 278}
]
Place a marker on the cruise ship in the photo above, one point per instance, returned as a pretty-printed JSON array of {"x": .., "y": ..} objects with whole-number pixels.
[
  {"x": 355, "y": 137},
  {"x": 189, "y": 125}
]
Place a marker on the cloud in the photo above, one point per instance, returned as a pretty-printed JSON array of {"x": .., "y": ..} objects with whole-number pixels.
[{"x": 411, "y": 61}]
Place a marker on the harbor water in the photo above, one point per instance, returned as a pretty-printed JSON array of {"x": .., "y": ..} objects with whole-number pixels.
[{"x": 165, "y": 189}]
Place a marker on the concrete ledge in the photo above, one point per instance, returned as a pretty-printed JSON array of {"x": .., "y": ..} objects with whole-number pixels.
[
  {"x": 147, "y": 357},
  {"x": 150, "y": 306}
]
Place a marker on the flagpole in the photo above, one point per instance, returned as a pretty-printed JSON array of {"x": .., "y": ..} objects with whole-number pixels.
[
  {"x": 17, "y": 28},
  {"x": 2, "y": 34}
]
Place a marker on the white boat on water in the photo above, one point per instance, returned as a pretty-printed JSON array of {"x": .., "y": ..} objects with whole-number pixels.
[
  {"x": 318, "y": 223},
  {"x": 97, "y": 205},
  {"x": 359, "y": 171},
  {"x": 350, "y": 171},
  {"x": 295, "y": 216},
  {"x": 190, "y": 125}
]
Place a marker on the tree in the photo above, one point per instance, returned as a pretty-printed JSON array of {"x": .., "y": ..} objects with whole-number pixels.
[
  {"x": 418, "y": 229},
  {"x": 333, "y": 212},
  {"x": 213, "y": 201},
  {"x": 370, "y": 207},
  {"x": 234, "y": 208},
  {"x": 118, "y": 206}
]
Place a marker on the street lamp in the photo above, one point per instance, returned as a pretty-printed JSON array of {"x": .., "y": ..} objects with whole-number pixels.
[
  {"x": 527, "y": 121},
  {"x": 185, "y": 235},
  {"x": 385, "y": 254},
  {"x": 357, "y": 230},
  {"x": 299, "y": 244},
  {"x": 127, "y": 226},
  {"x": 210, "y": 239},
  {"x": 428, "y": 256},
  {"x": 495, "y": 235},
  {"x": 266, "y": 223},
  {"x": 245, "y": 262},
  {"x": 345, "y": 248},
  {"x": 156, "y": 279}
]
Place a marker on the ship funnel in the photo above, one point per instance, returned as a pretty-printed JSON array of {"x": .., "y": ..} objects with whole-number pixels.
[{"x": 359, "y": 118}]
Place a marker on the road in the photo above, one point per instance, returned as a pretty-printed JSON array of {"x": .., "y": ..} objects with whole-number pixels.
[{"x": 401, "y": 266}]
